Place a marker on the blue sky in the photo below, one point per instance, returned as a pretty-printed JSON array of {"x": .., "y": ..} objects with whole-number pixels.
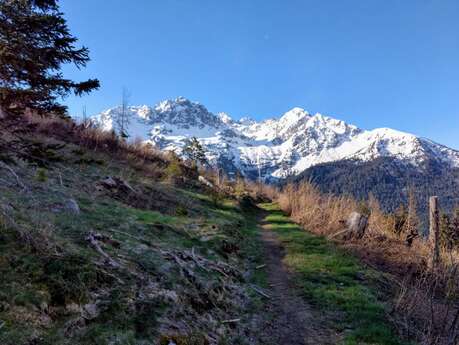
[{"x": 373, "y": 63}]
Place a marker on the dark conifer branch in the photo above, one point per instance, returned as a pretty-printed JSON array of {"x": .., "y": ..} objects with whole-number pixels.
[{"x": 34, "y": 44}]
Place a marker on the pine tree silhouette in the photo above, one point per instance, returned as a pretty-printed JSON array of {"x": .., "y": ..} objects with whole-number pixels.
[{"x": 34, "y": 44}]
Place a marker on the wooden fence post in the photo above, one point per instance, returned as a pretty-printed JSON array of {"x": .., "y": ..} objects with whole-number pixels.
[{"x": 434, "y": 229}]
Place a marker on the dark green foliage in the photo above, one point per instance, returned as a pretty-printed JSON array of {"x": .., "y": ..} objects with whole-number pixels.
[
  {"x": 412, "y": 221},
  {"x": 145, "y": 320},
  {"x": 41, "y": 176},
  {"x": 449, "y": 230},
  {"x": 390, "y": 181},
  {"x": 116, "y": 310},
  {"x": 446, "y": 238},
  {"x": 181, "y": 211},
  {"x": 194, "y": 152},
  {"x": 34, "y": 43},
  {"x": 174, "y": 168},
  {"x": 189, "y": 339},
  {"x": 455, "y": 227},
  {"x": 69, "y": 278},
  {"x": 247, "y": 203}
]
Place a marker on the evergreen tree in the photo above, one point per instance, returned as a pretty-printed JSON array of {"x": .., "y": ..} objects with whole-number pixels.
[
  {"x": 455, "y": 227},
  {"x": 34, "y": 44},
  {"x": 194, "y": 152},
  {"x": 446, "y": 233},
  {"x": 123, "y": 117},
  {"x": 412, "y": 220}
]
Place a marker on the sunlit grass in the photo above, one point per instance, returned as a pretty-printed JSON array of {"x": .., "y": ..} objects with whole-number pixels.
[{"x": 334, "y": 280}]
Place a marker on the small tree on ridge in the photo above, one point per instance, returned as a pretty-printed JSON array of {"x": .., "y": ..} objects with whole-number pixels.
[
  {"x": 194, "y": 152},
  {"x": 123, "y": 117}
]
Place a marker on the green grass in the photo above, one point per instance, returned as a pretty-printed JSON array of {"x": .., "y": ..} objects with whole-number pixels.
[
  {"x": 252, "y": 248},
  {"x": 154, "y": 217},
  {"x": 334, "y": 280},
  {"x": 47, "y": 264}
]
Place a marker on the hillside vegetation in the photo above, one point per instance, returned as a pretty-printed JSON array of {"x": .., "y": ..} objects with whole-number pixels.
[
  {"x": 102, "y": 242},
  {"x": 335, "y": 282},
  {"x": 423, "y": 293},
  {"x": 388, "y": 180},
  {"x": 108, "y": 242}
]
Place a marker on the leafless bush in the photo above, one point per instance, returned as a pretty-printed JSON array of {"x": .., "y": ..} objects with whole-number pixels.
[
  {"x": 141, "y": 155},
  {"x": 427, "y": 306},
  {"x": 319, "y": 213},
  {"x": 425, "y": 299}
]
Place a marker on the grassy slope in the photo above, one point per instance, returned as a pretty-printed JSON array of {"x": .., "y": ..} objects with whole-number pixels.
[
  {"x": 50, "y": 273},
  {"x": 334, "y": 280}
]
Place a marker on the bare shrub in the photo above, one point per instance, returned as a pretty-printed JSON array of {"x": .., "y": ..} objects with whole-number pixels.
[
  {"x": 427, "y": 306},
  {"x": 425, "y": 300},
  {"x": 142, "y": 156},
  {"x": 319, "y": 213}
]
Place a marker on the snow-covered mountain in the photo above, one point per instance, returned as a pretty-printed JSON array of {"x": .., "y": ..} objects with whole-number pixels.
[{"x": 274, "y": 148}]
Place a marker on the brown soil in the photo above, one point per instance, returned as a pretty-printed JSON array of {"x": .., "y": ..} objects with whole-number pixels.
[{"x": 291, "y": 319}]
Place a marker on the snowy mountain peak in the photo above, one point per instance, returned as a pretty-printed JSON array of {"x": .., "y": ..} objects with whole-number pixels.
[
  {"x": 294, "y": 115},
  {"x": 246, "y": 121},
  {"x": 277, "y": 147},
  {"x": 225, "y": 118}
]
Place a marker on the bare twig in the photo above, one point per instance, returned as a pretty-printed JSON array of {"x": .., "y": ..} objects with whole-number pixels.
[
  {"x": 452, "y": 330},
  {"x": 60, "y": 180},
  {"x": 18, "y": 180},
  {"x": 254, "y": 288},
  {"x": 141, "y": 240},
  {"x": 91, "y": 238}
]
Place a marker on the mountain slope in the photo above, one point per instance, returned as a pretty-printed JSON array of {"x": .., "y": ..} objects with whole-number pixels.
[
  {"x": 274, "y": 148},
  {"x": 389, "y": 180},
  {"x": 100, "y": 245}
]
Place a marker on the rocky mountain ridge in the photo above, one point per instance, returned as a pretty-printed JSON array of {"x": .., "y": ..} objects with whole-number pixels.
[{"x": 273, "y": 148}]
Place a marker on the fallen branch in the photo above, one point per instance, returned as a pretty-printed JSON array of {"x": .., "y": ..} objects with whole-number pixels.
[
  {"x": 195, "y": 259},
  {"x": 141, "y": 240},
  {"x": 254, "y": 288},
  {"x": 185, "y": 271},
  {"x": 336, "y": 234},
  {"x": 231, "y": 321},
  {"x": 60, "y": 180},
  {"x": 260, "y": 266},
  {"x": 18, "y": 180},
  {"x": 91, "y": 238},
  {"x": 205, "y": 263}
]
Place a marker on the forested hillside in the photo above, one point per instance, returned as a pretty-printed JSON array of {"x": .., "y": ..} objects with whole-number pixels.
[{"x": 388, "y": 180}]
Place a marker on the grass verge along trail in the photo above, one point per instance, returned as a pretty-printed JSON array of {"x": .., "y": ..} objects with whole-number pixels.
[{"x": 332, "y": 280}]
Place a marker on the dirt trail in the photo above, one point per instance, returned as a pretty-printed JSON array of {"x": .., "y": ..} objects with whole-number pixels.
[{"x": 293, "y": 320}]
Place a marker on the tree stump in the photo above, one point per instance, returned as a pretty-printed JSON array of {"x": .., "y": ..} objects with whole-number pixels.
[{"x": 356, "y": 225}]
